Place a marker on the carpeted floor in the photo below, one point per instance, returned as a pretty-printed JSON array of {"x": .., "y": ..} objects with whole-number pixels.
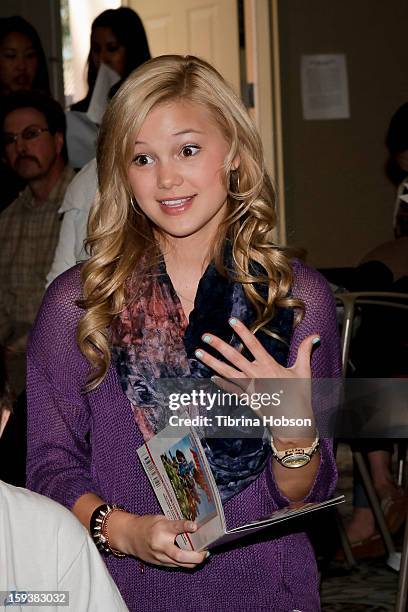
[{"x": 372, "y": 586}]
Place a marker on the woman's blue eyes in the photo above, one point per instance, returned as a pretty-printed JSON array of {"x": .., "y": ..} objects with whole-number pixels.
[{"x": 145, "y": 160}]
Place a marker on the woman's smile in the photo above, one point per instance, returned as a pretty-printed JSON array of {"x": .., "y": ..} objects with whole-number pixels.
[{"x": 176, "y": 206}]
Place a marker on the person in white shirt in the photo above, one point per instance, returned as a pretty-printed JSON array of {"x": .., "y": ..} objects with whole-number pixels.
[
  {"x": 79, "y": 197},
  {"x": 46, "y": 555}
]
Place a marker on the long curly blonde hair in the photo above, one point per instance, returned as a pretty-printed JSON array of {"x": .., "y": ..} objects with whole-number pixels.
[{"x": 120, "y": 236}]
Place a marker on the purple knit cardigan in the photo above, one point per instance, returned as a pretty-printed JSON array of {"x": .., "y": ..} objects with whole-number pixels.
[{"x": 80, "y": 442}]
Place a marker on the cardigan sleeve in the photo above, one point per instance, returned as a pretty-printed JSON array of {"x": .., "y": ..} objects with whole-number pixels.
[
  {"x": 319, "y": 318},
  {"x": 58, "y": 436}
]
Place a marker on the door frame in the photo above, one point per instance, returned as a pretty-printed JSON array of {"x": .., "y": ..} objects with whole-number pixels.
[{"x": 263, "y": 70}]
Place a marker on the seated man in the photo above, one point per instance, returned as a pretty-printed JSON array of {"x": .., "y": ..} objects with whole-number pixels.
[
  {"x": 32, "y": 127},
  {"x": 44, "y": 548}
]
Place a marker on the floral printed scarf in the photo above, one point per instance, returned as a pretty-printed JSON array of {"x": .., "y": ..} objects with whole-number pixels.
[{"x": 152, "y": 340}]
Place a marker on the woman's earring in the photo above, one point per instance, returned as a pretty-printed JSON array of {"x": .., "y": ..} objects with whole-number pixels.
[{"x": 133, "y": 205}]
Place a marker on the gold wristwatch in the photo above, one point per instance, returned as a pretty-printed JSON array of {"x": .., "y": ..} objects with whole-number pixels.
[{"x": 295, "y": 457}]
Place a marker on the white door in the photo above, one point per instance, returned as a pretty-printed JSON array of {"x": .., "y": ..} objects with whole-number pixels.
[{"x": 206, "y": 28}]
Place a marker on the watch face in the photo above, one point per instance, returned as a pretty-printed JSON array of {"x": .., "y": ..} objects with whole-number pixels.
[{"x": 295, "y": 460}]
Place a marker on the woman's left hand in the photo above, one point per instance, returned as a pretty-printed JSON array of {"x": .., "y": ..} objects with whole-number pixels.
[
  {"x": 263, "y": 365},
  {"x": 241, "y": 375}
]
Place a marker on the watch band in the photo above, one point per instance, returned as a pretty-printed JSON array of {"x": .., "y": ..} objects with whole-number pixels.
[{"x": 295, "y": 457}]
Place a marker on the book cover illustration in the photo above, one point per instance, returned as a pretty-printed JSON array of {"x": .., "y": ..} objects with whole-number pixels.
[{"x": 188, "y": 479}]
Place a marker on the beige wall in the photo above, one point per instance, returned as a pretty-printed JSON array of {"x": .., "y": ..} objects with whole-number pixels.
[{"x": 338, "y": 201}]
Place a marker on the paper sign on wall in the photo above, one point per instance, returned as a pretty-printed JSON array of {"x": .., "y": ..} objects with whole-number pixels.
[{"x": 324, "y": 87}]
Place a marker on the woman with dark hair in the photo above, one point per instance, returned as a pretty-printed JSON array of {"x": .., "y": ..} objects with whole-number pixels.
[
  {"x": 119, "y": 40},
  {"x": 22, "y": 59},
  {"x": 22, "y": 67}
]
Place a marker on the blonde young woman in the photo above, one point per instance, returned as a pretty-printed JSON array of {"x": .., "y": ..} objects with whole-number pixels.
[{"x": 184, "y": 273}]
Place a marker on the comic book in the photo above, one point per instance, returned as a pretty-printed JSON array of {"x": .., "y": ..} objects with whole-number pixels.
[{"x": 182, "y": 480}]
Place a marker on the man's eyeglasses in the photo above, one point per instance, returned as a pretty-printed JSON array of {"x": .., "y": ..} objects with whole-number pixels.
[{"x": 29, "y": 133}]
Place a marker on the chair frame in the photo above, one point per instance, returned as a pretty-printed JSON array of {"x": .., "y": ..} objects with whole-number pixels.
[{"x": 349, "y": 301}]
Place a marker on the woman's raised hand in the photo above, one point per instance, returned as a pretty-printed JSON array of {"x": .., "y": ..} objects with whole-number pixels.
[
  {"x": 263, "y": 365},
  {"x": 240, "y": 375},
  {"x": 150, "y": 538}
]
